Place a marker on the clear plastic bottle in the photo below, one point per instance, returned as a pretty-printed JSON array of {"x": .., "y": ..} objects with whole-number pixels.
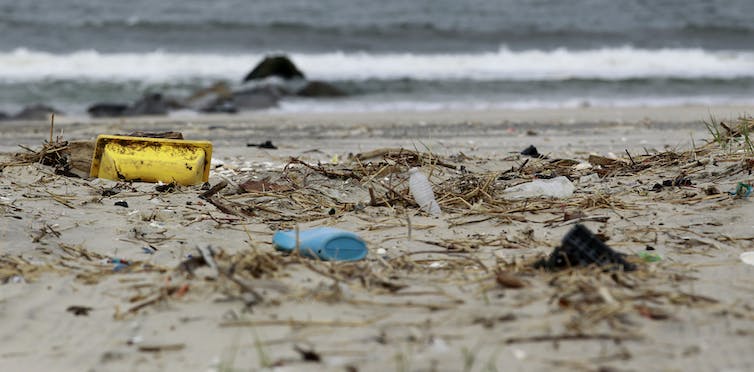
[{"x": 421, "y": 189}]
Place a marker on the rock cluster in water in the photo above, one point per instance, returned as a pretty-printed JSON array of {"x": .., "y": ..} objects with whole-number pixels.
[{"x": 263, "y": 87}]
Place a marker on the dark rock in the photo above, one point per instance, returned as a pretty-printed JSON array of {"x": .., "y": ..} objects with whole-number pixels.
[
  {"x": 264, "y": 145},
  {"x": 3, "y": 116},
  {"x": 320, "y": 89},
  {"x": 216, "y": 98},
  {"x": 711, "y": 190},
  {"x": 168, "y": 187},
  {"x": 279, "y": 66},
  {"x": 531, "y": 151},
  {"x": 267, "y": 145},
  {"x": 150, "y": 104},
  {"x": 110, "y": 192},
  {"x": 580, "y": 247},
  {"x": 35, "y": 112},
  {"x": 121, "y": 203},
  {"x": 79, "y": 310},
  {"x": 221, "y": 107},
  {"x": 107, "y": 110},
  {"x": 258, "y": 98}
]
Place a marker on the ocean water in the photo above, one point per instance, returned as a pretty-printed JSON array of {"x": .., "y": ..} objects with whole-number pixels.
[{"x": 388, "y": 55}]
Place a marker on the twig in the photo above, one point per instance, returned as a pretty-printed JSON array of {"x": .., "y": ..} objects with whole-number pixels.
[
  {"x": 522, "y": 166},
  {"x": 244, "y": 286},
  {"x": 213, "y": 190},
  {"x": 222, "y": 207},
  {"x": 406, "y": 200},
  {"x": 323, "y": 171},
  {"x": 408, "y": 222},
  {"x": 146, "y": 303},
  {"x": 431, "y": 306},
  {"x": 571, "y": 337},
  {"x": 630, "y": 157},
  {"x": 52, "y": 124},
  {"x": 60, "y": 200},
  {"x": 300, "y": 323},
  {"x": 159, "y": 348}
]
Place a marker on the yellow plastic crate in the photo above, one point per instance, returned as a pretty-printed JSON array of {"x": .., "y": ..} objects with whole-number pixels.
[{"x": 123, "y": 158}]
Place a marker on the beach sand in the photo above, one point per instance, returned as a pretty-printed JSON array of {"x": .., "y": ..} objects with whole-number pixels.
[{"x": 440, "y": 299}]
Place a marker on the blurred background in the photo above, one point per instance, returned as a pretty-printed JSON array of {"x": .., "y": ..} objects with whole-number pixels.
[{"x": 383, "y": 55}]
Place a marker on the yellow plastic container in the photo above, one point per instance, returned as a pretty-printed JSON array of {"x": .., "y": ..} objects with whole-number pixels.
[{"x": 123, "y": 158}]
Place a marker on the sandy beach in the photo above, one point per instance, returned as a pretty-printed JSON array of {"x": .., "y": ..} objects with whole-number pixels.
[{"x": 452, "y": 293}]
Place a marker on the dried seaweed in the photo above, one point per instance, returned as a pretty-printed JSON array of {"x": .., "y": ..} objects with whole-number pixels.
[{"x": 371, "y": 189}]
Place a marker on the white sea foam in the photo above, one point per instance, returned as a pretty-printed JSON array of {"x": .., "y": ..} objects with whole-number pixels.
[
  {"x": 609, "y": 64},
  {"x": 354, "y": 105}
]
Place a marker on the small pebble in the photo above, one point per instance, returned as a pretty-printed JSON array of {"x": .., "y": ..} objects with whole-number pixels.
[{"x": 121, "y": 203}]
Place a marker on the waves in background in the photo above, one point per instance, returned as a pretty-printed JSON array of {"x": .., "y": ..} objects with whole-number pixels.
[{"x": 388, "y": 55}]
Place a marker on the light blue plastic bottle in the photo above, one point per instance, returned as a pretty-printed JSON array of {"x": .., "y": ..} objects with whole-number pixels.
[{"x": 324, "y": 243}]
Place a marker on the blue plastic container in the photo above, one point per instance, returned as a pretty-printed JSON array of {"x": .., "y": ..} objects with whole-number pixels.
[{"x": 324, "y": 243}]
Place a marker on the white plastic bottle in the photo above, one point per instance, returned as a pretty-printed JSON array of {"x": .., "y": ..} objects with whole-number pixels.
[{"x": 421, "y": 189}]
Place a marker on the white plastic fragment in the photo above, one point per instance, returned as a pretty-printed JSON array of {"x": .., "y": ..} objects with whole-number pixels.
[
  {"x": 589, "y": 178},
  {"x": 422, "y": 192},
  {"x": 582, "y": 166},
  {"x": 519, "y": 354},
  {"x": 748, "y": 257},
  {"x": 438, "y": 345},
  {"x": 558, "y": 187},
  {"x": 16, "y": 279}
]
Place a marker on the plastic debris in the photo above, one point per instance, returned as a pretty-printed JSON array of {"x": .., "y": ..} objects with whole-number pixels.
[
  {"x": 119, "y": 264},
  {"x": 125, "y": 158},
  {"x": 743, "y": 190},
  {"x": 16, "y": 279},
  {"x": 580, "y": 247},
  {"x": 590, "y": 178},
  {"x": 422, "y": 192},
  {"x": 558, "y": 187},
  {"x": 582, "y": 166},
  {"x": 650, "y": 257},
  {"x": 324, "y": 243},
  {"x": 747, "y": 258}
]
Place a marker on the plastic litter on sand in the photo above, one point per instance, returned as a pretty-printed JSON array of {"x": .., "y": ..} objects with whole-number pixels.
[
  {"x": 422, "y": 192},
  {"x": 580, "y": 247},
  {"x": 748, "y": 257},
  {"x": 558, "y": 187}
]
